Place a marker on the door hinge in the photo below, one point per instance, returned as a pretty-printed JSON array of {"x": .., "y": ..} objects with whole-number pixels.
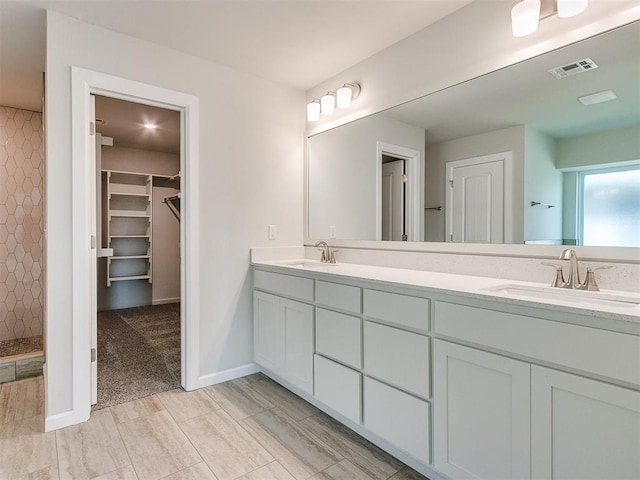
[
  {"x": 92, "y": 128},
  {"x": 93, "y": 242},
  {"x": 93, "y": 355},
  {"x": 405, "y": 178},
  {"x": 451, "y": 183}
]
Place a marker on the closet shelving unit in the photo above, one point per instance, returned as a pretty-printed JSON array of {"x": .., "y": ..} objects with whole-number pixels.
[{"x": 129, "y": 226}]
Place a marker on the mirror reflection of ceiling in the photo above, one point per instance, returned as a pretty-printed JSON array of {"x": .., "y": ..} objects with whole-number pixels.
[
  {"x": 124, "y": 122},
  {"x": 527, "y": 94}
]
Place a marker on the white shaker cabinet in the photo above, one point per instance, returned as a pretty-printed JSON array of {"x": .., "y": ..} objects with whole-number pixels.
[
  {"x": 583, "y": 428},
  {"x": 283, "y": 338},
  {"x": 481, "y": 414}
]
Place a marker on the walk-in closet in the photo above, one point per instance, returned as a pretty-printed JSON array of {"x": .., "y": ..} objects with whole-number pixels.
[{"x": 138, "y": 235}]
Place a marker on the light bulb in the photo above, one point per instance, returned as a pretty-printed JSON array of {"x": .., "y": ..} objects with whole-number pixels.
[
  {"x": 570, "y": 8},
  {"x": 328, "y": 104},
  {"x": 313, "y": 111},
  {"x": 525, "y": 17},
  {"x": 343, "y": 97}
]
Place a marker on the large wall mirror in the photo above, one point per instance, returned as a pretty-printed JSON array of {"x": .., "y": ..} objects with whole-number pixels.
[{"x": 546, "y": 151}]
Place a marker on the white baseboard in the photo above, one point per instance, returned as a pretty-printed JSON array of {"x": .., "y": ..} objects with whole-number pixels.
[
  {"x": 225, "y": 375},
  {"x": 163, "y": 301},
  {"x": 64, "y": 419}
]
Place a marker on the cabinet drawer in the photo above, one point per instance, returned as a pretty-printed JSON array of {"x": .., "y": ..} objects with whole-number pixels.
[
  {"x": 339, "y": 336},
  {"x": 584, "y": 348},
  {"x": 338, "y": 387},
  {"x": 343, "y": 297},
  {"x": 398, "y": 418},
  {"x": 287, "y": 285},
  {"x": 412, "y": 312},
  {"x": 397, "y": 357}
]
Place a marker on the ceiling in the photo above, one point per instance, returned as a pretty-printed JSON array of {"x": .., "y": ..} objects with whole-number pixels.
[
  {"x": 125, "y": 123},
  {"x": 298, "y": 43}
]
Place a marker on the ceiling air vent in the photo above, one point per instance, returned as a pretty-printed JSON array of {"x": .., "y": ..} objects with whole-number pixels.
[{"x": 572, "y": 68}]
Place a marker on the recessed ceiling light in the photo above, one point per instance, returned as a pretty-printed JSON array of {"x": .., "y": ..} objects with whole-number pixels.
[
  {"x": 150, "y": 126},
  {"x": 600, "y": 97}
]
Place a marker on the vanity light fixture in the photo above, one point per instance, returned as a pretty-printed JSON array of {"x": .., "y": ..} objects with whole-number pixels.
[
  {"x": 346, "y": 93},
  {"x": 328, "y": 103},
  {"x": 525, "y": 17},
  {"x": 526, "y": 14},
  {"x": 571, "y": 8},
  {"x": 313, "y": 110}
]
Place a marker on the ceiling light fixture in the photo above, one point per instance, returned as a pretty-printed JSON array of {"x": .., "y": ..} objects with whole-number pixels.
[
  {"x": 150, "y": 126},
  {"x": 326, "y": 105},
  {"x": 526, "y": 14},
  {"x": 600, "y": 97}
]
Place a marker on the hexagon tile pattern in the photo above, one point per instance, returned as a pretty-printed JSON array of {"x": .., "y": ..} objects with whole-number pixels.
[{"x": 21, "y": 212}]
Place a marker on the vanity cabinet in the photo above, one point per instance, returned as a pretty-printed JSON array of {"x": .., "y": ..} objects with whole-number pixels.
[
  {"x": 456, "y": 386},
  {"x": 283, "y": 338},
  {"x": 481, "y": 414},
  {"x": 583, "y": 428}
]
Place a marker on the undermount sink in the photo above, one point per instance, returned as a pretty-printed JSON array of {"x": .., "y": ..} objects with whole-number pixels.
[
  {"x": 307, "y": 264},
  {"x": 569, "y": 295}
]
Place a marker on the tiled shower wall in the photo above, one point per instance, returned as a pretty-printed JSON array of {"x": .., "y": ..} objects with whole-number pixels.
[{"x": 21, "y": 214}]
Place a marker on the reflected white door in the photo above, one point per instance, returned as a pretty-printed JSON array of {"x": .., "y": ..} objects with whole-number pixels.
[
  {"x": 476, "y": 201},
  {"x": 392, "y": 200}
]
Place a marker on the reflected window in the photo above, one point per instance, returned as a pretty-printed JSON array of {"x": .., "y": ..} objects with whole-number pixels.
[{"x": 611, "y": 207}]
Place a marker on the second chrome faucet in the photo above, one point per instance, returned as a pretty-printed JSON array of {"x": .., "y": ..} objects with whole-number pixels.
[
  {"x": 573, "y": 280},
  {"x": 328, "y": 254}
]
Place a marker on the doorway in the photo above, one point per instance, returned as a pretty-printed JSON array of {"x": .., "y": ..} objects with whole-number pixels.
[
  {"x": 399, "y": 193},
  {"x": 479, "y": 199},
  {"x": 83, "y": 83},
  {"x": 137, "y": 332}
]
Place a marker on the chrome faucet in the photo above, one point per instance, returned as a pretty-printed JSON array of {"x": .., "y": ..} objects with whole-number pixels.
[
  {"x": 328, "y": 254},
  {"x": 573, "y": 280}
]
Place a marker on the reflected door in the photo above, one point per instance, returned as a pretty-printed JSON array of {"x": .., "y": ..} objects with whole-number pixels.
[
  {"x": 393, "y": 200},
  {"x": 476, "y": 206}
]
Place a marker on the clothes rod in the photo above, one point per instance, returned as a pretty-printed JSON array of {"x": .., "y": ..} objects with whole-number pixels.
[
  {"x": 439, "y": 208},
  {"x": 548, "y": 205}
]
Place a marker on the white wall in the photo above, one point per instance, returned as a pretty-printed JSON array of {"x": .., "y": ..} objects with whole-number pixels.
[
  {"x": 251, "y": 165},
  {"x": 342, "y": 171},
  {"x": 438, "y": 154},
  {"x": 609, "y": 146},
  {"x": 165, "y": 250},
  {"x": 542, "y": 183}
]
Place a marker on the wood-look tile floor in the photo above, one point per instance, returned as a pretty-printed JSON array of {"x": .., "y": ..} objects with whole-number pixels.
[{"x": 250, "y": 429}]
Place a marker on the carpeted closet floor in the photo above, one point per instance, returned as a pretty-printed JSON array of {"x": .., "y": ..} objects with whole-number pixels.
[{"x": 138, "y": 353}]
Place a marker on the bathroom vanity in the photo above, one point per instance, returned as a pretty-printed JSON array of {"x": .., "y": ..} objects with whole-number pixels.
[{"x": 459, "y": 376}]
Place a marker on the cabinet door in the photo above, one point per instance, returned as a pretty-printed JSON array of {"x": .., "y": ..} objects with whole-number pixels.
[
  {"x": 268, "y": 332},
  {"x": 297, "y": 321},
  {"x": 481, "y": 416},
  {"x": 582, "y": 428}
]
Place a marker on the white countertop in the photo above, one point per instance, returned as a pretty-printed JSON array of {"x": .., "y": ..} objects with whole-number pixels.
[{"x": 471, "y": 286}]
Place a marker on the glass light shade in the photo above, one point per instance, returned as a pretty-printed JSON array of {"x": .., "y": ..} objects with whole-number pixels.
[
  {"x": 313, "y": 111},
  {"x": 343, "y": 97},
  {"x": 570, "y": 8},
  {"x": 525, "y": 17},
  {"x": 328, "y": 104}
]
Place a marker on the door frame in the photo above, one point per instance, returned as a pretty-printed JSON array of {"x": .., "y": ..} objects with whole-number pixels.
[
  {"x": 84, "y": 283},
  {"x": 414, "y": 217},
  {"x": 507, "y": 191}
]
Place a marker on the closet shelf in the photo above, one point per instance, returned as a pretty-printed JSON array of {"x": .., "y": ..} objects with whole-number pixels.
[
  {"x": 126, "y": 194},
  {"x": 129, "y": 215},
  {"x": 128, "y": 257},
  {"x": 130, "y": 236},
  {"x": 134, "y": 277}
]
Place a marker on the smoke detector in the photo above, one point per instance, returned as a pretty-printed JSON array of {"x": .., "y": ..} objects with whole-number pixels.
[{"x": 574, "y": 68}]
